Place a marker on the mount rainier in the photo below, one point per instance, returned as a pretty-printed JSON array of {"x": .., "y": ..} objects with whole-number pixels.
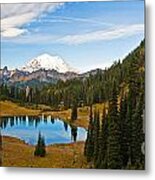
[
  {"x": 44, "y": 68},
  {"x": 48, "y": 62}
]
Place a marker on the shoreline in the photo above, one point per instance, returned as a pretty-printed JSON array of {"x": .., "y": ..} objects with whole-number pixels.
[
  {"x": 9, "y": 108},
  {"x": 31, "y": 145}
]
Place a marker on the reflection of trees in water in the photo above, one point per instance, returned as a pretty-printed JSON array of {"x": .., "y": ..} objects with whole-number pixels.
[
  {"x": 73, "y": 133},
  {"x": 3, "y": 122},
  {"x": 23, "y": 120},
  {"x": 65, "y": 126},
  {"x": 12, "y": 122},
  {"x": 34, "y": 121},
  {"x": 45, "y": 119},
  {"x": 52, "y": 119}
]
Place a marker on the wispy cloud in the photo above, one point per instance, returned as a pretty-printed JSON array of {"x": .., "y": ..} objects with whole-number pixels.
[
  {"x": 107, "y": 34},
  {"x": 76, "y": 19},
  {"x": 101, "y": 35},
  {"x": 14, "y": 16}
]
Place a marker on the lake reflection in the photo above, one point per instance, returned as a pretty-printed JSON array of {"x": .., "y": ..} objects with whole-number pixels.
[{"x": 54, "y": 130}]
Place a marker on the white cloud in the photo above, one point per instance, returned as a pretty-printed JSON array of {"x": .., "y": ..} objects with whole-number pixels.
[
  {"x": 108, "y": 34},
  {"x": 14, "y": 16},
  {"x": 76, "y": 19},
  {"x": 13, "y": 32}
]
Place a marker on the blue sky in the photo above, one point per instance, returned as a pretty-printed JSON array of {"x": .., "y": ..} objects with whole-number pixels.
[{"x": 87, "y": 35}]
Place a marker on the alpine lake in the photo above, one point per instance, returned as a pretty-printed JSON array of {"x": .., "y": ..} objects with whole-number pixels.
[{"x": 27, "y": 128}]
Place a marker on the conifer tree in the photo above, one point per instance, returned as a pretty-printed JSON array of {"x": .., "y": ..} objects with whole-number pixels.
[
  {"x": 73, "y": 132},
  {"x": 96, "y": 135},
  {"x": 137, "y": 131},
  {"x": 74, "y": 113},
  {"x": 133, "y": 94},
  {"x": 102, "y": 157},
  {"x": 40, "y": 149},
  {"x": 88, "y": 132},
  {"x": 89, "y": 145},
  {"x": 124, "y": 131},
  {"x": 114, "y": 160}
]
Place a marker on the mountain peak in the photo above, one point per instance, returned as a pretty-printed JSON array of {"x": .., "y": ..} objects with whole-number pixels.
[
  {"x": 48, "y": 62},
  {"x": 46, "y": 55}
]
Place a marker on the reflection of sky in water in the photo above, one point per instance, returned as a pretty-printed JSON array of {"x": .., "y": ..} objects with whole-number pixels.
[{"x": 54, "y": 131}]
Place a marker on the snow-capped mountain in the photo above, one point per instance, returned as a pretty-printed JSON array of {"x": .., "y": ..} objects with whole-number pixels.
[
  {"x": 48, "y": 62},
  {"x": 42, "y": 69}
]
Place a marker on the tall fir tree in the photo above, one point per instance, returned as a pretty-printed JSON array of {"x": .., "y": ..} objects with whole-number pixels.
[
  {"x": 114, "y": 160},
  {"x": 133, "y": 94},
  {"x": 74, "y": 112},
  {"x": 89, "y": 145},
  {"x": 40, "y": 149},
  {"x": 102, "y": 157},
  {"x": 137, "y": 131},
  {"x": 96, "y": 136},
  {"x": 124, "y": 131}
]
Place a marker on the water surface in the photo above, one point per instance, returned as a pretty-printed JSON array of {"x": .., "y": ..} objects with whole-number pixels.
[{"x": 27, "y": 128}]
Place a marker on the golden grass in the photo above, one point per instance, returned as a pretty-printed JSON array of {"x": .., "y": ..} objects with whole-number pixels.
[
  {"x": 83, "y": 114},
  {"x": 8, "y": 108},
  {"x": 18, "y": 154},
  {"x": 82, "y": 121}
]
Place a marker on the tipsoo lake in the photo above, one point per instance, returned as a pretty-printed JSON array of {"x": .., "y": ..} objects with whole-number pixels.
[{"x": 55, "y": 131}]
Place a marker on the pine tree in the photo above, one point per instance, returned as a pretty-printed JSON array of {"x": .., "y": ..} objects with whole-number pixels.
[
  {"x": 124, "y": 131},
  {"x": 114, "y": 157},
  {"x": 137, "y": 131},
  {"x": 96, "y": 135},
  {"x": 40, "y": 149},
  {"x": 88, "y": 132},
  {"x": 102, "y": 156},
  {"x": 74, "y": 112},
  {"x": 133, "y": 94},
  {"x": 89, "y": 145},
  {"x": 73, "y": 133}
]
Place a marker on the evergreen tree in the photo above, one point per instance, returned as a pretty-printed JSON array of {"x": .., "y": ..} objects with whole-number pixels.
[
  {"x": 133, "y": 94},
  {"x": 73, "y": 133},
  {"x": 114, "y": 160},
  {"x": 40, "y": 149},
  {"x": 124, "y": 131},
  {"x": 102, "y": 157},
  {"x": 96, "y": 135},
  {"x": 89, "y": 145},
  {"x": 74, "y": 112},
  {"x": 137, "y": 131},
  {"x": 88, "y": 132}
]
